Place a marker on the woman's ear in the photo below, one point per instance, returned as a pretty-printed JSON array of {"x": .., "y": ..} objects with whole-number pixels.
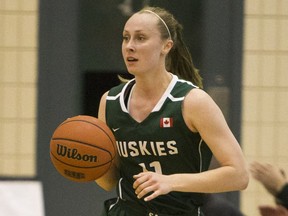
[{"x": 167, "y": 46}]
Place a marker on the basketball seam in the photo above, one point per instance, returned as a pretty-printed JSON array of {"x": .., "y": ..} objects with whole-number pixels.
[{"x": 72, "y": 120}]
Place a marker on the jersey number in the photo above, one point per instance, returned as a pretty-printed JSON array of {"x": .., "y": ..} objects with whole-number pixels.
[{"x": 155, "y": 165}]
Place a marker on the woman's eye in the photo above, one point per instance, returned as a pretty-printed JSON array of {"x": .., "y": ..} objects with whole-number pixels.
[
  {"x": 125, "y": 38},
  {"x": 141, "y": 38}
]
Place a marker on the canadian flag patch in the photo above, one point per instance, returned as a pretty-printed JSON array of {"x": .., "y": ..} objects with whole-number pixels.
[{"x": 166, "y": 122}]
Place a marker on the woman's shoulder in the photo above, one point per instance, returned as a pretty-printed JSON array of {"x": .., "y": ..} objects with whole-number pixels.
[
  {"x": 199, "y": 104},
  {"x": 197, "y": 96}
]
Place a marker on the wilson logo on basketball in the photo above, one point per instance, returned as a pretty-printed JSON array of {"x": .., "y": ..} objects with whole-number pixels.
[{"x": 64, "y": 151}]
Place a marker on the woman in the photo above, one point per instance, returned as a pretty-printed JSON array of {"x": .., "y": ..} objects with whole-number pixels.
[{"x": 165, "y": 126}]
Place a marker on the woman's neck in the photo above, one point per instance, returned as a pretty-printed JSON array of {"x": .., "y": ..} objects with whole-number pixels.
[
  {"x": 153, "y": 85},
  {"x": 146, "y": 93}
]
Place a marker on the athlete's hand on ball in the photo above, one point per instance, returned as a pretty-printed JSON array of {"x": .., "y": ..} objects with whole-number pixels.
[{"x": 151, "y": 184}]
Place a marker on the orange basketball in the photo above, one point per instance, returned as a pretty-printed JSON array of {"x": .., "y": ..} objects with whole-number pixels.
[{"x": 82, "y": 148}]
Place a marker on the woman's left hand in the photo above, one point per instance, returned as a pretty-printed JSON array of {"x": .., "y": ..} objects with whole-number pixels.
[{"x": 151, "y": 184}]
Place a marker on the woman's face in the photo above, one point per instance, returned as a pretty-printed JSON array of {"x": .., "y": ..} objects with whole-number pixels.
[{"x": 142, "y": 46}]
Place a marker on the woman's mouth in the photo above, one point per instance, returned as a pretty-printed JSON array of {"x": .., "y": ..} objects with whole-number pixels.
[{"x": 131, "y": 59}]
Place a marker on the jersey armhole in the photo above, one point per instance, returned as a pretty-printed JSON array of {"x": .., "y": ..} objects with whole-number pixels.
[{"x": 192, "y": 129}]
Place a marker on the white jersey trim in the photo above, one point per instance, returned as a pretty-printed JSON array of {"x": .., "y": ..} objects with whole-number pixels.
[
  {"x": 188, "y": 82},
  {"x": 166, "y": 93},
  {"x": 120, "y": 188},
  {"x": 113, "y": 97},
  {"x": 175, "y": 99},
  {"x": 200, "y": 154},
  {"x": 122, "y": 99}
]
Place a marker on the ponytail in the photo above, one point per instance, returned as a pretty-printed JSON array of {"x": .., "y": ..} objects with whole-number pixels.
[{"x": 178, "y": 60}]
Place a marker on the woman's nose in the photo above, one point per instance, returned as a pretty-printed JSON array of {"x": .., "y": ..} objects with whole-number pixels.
[{"x": 130, "y": 46}]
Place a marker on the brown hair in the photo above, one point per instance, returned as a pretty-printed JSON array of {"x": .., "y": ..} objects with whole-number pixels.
[{"x": 178, "y": 60}]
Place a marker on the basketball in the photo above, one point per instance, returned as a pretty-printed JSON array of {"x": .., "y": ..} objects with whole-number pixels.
[{"x": 82, "y": 148}]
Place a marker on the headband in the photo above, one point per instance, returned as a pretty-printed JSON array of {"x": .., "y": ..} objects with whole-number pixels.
[{"x": 149, "y": 11}]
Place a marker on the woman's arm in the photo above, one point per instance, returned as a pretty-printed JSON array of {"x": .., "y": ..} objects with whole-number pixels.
[
  {"x": 202, "y": 115},
  {"x": 110, "y": 179}
]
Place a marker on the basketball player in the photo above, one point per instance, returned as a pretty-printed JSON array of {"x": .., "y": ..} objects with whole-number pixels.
[{"x": 166, "y": 127}]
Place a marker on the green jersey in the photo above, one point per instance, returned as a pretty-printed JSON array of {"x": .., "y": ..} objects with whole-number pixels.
[{"x": 161, "y": 143}]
